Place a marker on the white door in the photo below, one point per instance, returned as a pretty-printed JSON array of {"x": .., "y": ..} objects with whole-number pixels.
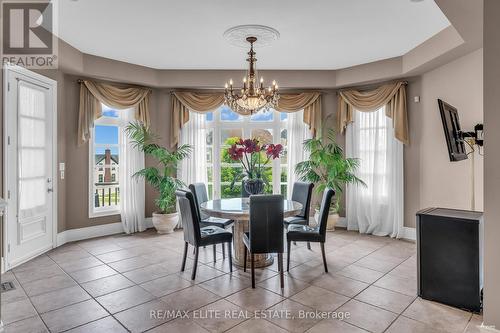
[{"x": 29, "y": 171}]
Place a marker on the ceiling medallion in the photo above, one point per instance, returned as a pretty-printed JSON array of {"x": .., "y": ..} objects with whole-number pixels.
[
  {"x": 253, "y": 97},
  {"x": 237, "y": 35}
]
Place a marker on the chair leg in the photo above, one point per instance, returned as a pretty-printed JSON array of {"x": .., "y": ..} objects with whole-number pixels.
[
  {"x": 184, "y": 257},
  {"x": 308, "y": 245},
  {"x": 230, "y": 256},
  {"x": 280, "y": 264},
  {"x": 215, "y": 255},
  {"x": 223, "y": 251},
  {"x": 324, "y": 257},
  {"x": 195, "y": 266},
  {"x": 289, "y": 248},
  {"x": 245, "y": 260},
  {"x": 252, "y": 259}
]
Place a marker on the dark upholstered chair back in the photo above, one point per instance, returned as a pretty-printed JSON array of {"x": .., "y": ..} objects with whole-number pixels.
[
  {"x": 266, "y": 224},
  {"x": 189, "y": 216},
  {"x": 324, "y": 210},
  {"x": 199, "y": 191},
  {"x": 302, "y": 192}
]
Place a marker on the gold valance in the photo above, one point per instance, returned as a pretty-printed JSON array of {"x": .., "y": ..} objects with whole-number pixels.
[
  {"x": 392, "y": 95},
  {"x": 183, "y": 102},
  {"x": 92, "y": 94}
]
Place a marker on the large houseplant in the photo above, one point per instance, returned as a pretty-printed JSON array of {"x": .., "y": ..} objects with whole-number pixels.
[
  {"x": 253, "y": 157},
  {"x": 162, "y": 176},
  {"x": 327, "y": 166}
]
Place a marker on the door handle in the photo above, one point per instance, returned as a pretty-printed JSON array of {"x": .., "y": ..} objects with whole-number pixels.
[{"x": 50, "y": 190}]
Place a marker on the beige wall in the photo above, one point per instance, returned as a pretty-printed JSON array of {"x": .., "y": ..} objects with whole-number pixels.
[
  {"x": 430, "y": 178},
  {"x": 492, "y": 164}
]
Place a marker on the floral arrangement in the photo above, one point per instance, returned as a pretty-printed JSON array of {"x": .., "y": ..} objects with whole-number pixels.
[{"x": 253, "y": 156}]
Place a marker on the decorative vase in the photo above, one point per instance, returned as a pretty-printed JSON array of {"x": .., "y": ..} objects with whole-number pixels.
[
  {"x": 254, "y": 186},
  {"x": 165, "y": 223}
]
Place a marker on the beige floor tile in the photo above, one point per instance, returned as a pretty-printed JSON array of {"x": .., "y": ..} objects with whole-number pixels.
[
  {"x": 52, "y": 283},
  {"x": 438, "y": 316},
  {"x": 189, "y": 299},
  {"x": 129, "y": 264},
  {"x": 306, "y": 273},
  {"x": 107, "y": 285},
  {"x": 475, "y": 325},
  {"x": 103, "y": 248},
  {"x": 399, "y": 284},
  {"x": 31, "y": 325},
  {"x": 76, "y": 265},
  {"x": 260, "y": 274},
  {"x": 287, "y": 315},
  {"x": 116, "y": 256},
  {"x": 105, "y": 325},
  {"x": 166, "y": 285},
  {"x": 93, "y": 273},
  {"x": 13, "y": 295},
  {"x": 367, "y": 316},
  {"x": 143, "y": 317},
  {"x": 291, "y": 286},
  {"x": 220, "y": 316},
  {"x": 15, "y": 311},
  {"x": 334, "y": 325},
  {"x": 256, "y": 326},
  {"x": 123, "y": 299},
  {"x": 320, "y": 299},
  {"x": 225, "y": 285},
  {"x": 179, "y": 325},
  {"x": 59, "y": 298},
  {"x": 340, "y": 284},
  {"x": 360, "y": 273},
  {"x": 40, "y": 261},
  {"x": 73, "y": 316},
  {"x": 38, "y": 273},
  {"x": 386, "y": 299},
  {"x": 151, "y": 272},
  {"x": 377, "y": 263},
  {"x": 203, "y": 273},
  {"x": 74, "y": 254},
  {"x": 255, "y": 299},
  {"x": 407, "y": 325}
]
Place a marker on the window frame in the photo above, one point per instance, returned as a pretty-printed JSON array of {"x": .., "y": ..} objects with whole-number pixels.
[
  {"x": 216, "y": 125},
  {"x": 103, "y": 121}
]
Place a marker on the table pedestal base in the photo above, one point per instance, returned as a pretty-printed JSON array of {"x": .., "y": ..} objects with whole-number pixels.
[{"x": 261, "y": 260}]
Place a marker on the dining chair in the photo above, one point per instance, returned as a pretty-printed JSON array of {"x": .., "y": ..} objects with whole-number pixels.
[
  {"x": 305, "y": 233},
  {"x": 265, "y": 233},
  {"x": 197, "y": 236},
  {"x": 199, "y": 191},
  {"x": 301, "y": 192}
]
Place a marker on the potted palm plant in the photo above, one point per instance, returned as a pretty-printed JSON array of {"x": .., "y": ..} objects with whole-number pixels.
[
  {"x": 327, "y": 166},
  {"x": 160, "y": 177}
]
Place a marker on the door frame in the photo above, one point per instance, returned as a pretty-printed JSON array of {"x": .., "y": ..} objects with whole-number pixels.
[{"x": 8, "y": 68}]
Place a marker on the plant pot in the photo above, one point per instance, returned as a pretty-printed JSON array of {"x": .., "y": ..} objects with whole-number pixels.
[
  {"x": 330, "y": 222},
  {"x": 165, "y": 223},
  {"x": 254, "y": 186}
]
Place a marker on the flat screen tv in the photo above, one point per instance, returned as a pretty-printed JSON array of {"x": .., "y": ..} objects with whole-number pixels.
[{"x": 452, "y": 132}]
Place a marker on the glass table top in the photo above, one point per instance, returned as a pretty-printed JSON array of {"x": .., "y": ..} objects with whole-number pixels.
[{"x": 242, "y": 205}]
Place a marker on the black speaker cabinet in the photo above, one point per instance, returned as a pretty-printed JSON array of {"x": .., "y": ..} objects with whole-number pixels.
[{"x": 450, "y": 257}]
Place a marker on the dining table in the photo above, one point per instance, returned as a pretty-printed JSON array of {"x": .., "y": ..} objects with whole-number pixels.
[{"x": 238, "y": 210}]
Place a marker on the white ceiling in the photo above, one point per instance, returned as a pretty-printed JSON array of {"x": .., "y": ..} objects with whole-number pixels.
[{"x": 187, "y": 34}]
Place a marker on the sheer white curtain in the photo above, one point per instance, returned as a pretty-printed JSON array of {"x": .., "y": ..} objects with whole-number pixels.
[
  {"x": 297, "y": 132},
  {"x": 377, "y": 208},
  {"x": 194, "y": 168},
  {"x": 132, "y": 191}
]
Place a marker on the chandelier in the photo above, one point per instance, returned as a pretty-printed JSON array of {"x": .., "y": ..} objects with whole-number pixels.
[{"x": 253, "y": 96}]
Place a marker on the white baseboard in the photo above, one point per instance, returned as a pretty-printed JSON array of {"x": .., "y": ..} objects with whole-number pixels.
[
  {"x": 410, "y": 233},
  {"x": 72, "y": 235}
]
